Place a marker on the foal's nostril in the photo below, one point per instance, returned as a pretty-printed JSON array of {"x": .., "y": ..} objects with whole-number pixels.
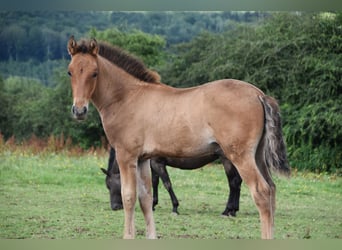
[
  {"x": 79, "y": 113},
  {"x": 73, "y": 109}
]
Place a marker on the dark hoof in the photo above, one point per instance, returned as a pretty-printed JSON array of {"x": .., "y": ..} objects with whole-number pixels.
[
  {"x": 229, "y": 213},
  {"x": 175, "y": 211},
  {"x": 155, "y": 203}
]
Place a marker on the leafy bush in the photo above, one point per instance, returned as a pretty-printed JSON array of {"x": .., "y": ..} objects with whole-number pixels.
[{"x": 30, "y": 108}]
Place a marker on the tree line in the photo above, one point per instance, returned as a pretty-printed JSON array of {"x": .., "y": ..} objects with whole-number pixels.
[
  {"x": 33, "y": 42},
  {"x": 42, "y": 36},
  {"x": 295, "y": 57}
]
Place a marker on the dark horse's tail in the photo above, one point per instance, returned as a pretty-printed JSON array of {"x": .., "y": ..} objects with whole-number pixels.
[{"x": 274, "y": 149}]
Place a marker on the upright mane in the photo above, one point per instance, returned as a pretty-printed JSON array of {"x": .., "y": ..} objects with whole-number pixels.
[{"x": 122, "y": 59}]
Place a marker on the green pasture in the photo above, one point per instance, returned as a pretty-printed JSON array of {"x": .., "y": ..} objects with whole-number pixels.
[{"x": 56, "y": 196}]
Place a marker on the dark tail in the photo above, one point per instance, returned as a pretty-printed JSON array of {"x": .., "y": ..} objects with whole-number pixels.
[{"x": 274, "y": 145}]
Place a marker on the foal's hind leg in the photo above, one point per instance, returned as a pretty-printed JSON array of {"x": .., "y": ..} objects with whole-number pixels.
[
  {"x": 265, "y": 172},
  {"x": 145, "y": 197},
  {"x": 262, "y": 192}
]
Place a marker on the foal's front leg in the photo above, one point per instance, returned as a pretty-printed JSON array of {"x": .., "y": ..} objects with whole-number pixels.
[
  {"x": 128, "y": 172},
  {"x": 145, "y": 197}
]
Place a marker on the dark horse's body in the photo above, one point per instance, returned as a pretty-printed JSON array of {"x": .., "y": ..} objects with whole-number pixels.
[{"x": 158, "y": 168}]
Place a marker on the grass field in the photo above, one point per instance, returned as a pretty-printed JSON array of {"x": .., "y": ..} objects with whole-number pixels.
[{"x": 56, "y": 196}]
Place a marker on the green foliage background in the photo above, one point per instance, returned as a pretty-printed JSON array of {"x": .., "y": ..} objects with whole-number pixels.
[{"x": 295, "y": 57}]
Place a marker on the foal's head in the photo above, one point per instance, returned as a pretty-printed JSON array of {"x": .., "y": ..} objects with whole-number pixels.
[{"x": 83, "y": 71}]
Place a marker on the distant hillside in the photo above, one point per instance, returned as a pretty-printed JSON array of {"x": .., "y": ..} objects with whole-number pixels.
[{"x": 42, "y": 35}]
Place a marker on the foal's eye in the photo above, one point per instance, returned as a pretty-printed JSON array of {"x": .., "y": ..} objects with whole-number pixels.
[
  {"x": 94, "y": 74},
  {"x": 69, "y": 73}
]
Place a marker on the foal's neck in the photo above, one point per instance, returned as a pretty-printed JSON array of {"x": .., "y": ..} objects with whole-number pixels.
[{"x": 113, "y": 85}]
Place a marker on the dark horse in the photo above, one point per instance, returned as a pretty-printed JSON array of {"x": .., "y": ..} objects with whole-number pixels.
[
  {"x": 144, "y": 118},
  {"x": 158, "y": 169}
]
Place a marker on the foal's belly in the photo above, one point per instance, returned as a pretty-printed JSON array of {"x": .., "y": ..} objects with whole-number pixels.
[{"x": 181, "y": 148}]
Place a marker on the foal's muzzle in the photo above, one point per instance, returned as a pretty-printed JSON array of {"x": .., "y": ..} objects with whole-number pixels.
[{"x": 79, "y": 113}]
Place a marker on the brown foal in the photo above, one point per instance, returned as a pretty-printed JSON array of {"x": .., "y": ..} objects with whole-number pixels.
[{"x": 143, "y": 118}]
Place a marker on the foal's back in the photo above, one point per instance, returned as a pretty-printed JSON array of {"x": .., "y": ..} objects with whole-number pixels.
[{"x": 193, "y": 121}]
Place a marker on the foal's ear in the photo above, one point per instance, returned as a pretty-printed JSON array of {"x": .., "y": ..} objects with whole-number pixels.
[
  {"x": 72, "y": 45},
  {"x": 94, "y": 48}
]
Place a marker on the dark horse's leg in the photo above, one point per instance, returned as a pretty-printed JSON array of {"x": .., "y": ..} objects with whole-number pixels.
[
  {"x": 155, "y": 183},
  {"x": 158, "y": 167},
  {"x": 234, "y": 181}
]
